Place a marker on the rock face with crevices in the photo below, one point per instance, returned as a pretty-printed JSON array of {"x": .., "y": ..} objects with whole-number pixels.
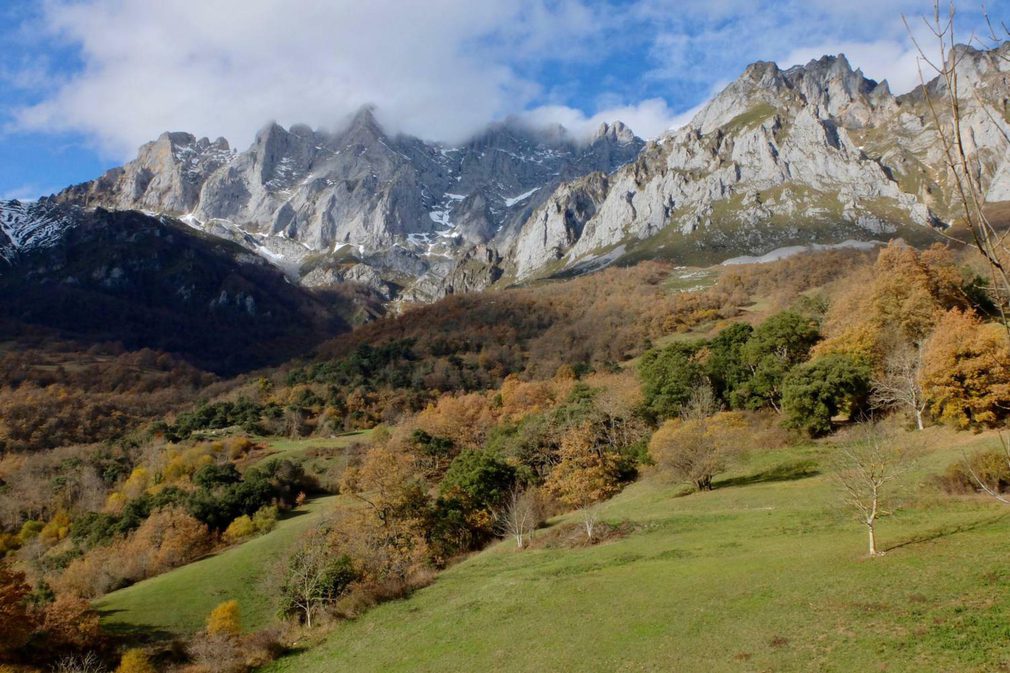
[
  {"x": 813, "y": 154},
  {"x": 320, "y": 204}
]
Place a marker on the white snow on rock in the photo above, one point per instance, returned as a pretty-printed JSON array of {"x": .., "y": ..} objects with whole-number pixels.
[
  {"x": 790, "y": 251},
  {"x": 522, "y": 197}
]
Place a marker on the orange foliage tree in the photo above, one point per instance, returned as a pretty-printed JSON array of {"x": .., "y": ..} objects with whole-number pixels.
[
  {"x": 585, "y": 475},
  {"x": 16, "y": 619},
  {"x": 966, "y": 371}
]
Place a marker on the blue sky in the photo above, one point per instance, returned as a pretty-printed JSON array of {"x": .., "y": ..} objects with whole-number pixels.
[{"x": 85, "y": 82}]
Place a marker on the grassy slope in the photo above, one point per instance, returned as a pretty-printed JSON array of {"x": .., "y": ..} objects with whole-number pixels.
[
  {"x": 178, "y": 602},
  {"x": 763, "y": 574},
  {"x": 295, "y": 449}
]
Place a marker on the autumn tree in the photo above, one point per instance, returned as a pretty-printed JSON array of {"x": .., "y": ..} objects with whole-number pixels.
[
  {"x": 866, "y": 471},
  {"x": 17, "y": 621},
  {"x": 225, "y": 620},
  {"x": 697, "y": 447},
  {"x": 966, "y": 371},
  {"x": 585, "y": 475},
  {"x": 894, "y": 306},
  {"x": 70, "y": 621}
]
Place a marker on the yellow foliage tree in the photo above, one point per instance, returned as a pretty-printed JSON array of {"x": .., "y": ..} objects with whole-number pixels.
[
  {"x": 696, "y": 448},
  {"x": 241, "y": 527},
  {"x": 966, "y": 371},
  {"x": 225, "y": 620},
  {"x": 586, "y": 474},
  {"x": 135, "y": 661},
  {"x": 899, "y": 302}
]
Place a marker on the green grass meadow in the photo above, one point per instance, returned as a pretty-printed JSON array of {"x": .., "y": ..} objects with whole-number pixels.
[
  {"x": 178, "y": 602},
  {"x": 766, "y": 573}
]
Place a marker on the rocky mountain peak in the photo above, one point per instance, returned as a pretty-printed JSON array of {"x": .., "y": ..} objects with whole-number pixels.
[{"x": 616, "y": 132}]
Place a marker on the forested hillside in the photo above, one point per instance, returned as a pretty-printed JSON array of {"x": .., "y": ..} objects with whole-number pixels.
[{"x": 481, "y": 418}]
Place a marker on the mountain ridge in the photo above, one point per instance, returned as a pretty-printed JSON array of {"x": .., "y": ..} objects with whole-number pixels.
[{"x": 815, "y": 153}]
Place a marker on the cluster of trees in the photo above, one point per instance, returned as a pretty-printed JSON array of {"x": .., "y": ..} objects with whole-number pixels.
[
  {"x": 466, "y": 470},
  {"x": 907, "y": 333}
]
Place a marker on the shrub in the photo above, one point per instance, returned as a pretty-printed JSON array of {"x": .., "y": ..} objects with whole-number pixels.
[
  {"x": 225, "y": 620},
  {"x": 696, "y": 449},
  {"x": 242, "y": 527},
  {"x": 990, "y": 467},
  {"x": 135, "y": 661},
  {"x": 265, "y": 519}
]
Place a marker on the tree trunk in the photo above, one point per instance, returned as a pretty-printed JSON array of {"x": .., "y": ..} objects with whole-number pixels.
[
  {"x": 308, "y": 617},
  {"x": 872, "y": 538},
  {"x": 918, "y": 419}
]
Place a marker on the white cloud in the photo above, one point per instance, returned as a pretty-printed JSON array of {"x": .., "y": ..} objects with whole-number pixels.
[
  {"x": 439, "y": 69},
  {"x": 27, "y": 193},
  {"x": 224, "y": 67},
  {"x": 648, "y": 119}
]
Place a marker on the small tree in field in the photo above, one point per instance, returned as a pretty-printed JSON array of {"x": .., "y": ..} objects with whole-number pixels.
[
  {"x": 313, "y": 577},
  {"x": 867, "y": 470},
  {"x": 696, "y": 448},
  {"x": 519, "y": 516}
]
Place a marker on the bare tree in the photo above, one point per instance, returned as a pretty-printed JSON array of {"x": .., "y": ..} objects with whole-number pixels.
[
  {"x": 88, "y": 663},
  {"x": 965, "y": 168},
  {"x": 867, "y": 469},
  {"x": 898, "y": 385},
  {"x": 313, "y": 576},
  {"x": 519, "y": 516}
]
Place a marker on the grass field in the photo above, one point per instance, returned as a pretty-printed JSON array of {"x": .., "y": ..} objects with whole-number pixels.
[
  {"x": 766, "y": 573},
  {"x": 178, "y": 602},
  {"x": 296, "y": 449}
]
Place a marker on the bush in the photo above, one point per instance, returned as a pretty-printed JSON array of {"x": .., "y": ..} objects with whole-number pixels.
[
  {"x": 135, "y": 661},
  {"x": 265, "y": 519},
  {"x": 240, "y": 528},
  {"x": 225, "y": 620},
  {"x": 991, "y": 467}
]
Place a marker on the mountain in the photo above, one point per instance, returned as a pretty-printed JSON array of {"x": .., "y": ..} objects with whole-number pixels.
[
  {"x": 812, "y": 154},
  {"x": 816, "y": 153},
  {"x": 391, "y": 212},
  {"x": 122, "y": 276}
]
